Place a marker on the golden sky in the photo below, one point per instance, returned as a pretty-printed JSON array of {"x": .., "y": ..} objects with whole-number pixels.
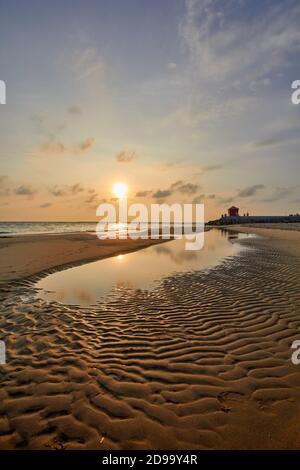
[{"x": 184, "y": 101}]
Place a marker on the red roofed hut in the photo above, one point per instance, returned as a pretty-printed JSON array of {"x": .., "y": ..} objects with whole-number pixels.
[{"x": 233, "y": 211}]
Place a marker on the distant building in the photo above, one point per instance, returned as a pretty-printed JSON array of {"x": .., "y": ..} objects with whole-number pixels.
[
  {"x": 233, "y": 211},
  {"x": 233, "y": 217}
]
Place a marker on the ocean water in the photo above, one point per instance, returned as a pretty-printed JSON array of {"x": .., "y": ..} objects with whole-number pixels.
[
  {"x": 23, "y": 228},
  {"x": 29, "y": 228}
]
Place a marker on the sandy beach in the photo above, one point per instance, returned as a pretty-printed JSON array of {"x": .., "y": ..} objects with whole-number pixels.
[
  {"x": 201, "y": 362},
  {"x": 25, "y": 255},
  {"x": 177, "y": 120},
  {"x": 284, "y": 237}
]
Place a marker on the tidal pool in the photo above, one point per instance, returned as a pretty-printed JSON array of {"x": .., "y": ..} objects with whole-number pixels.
[{"x": 87, "y": 284}]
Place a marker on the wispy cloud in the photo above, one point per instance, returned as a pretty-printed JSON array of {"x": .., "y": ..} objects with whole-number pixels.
[
  {"x": 143, "y": 193},
  {"x": 54, "y": 147},
  {"x": 66, "y": 190},
  {"x": 207, "y": 168},
  {"x": 75, "y": 188},
  {"x": 286, "y": 135},
  {"x": 184, "y": 188},
  {"x": 250, "y": 190},
  {"x": 162, "y": 193},
  {"x": 86, "y": 62},
  {"x": 233, "y": 53},
  {"x": 25, "y": 190},
  {"x": 279, "y": 193},
  {"x": 212, "y": 28},
  {"x": 84, "y": 146},
  {"x": 91, "y": 199},
  {"x": 126, "y": 156},
  {"x": 198, "y": 199},
  {"x": 57, "y": 191},
  {"x": 74, "y": 110}
]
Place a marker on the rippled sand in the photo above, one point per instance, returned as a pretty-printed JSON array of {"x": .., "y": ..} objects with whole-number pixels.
[{"x": 203, "y": 361}]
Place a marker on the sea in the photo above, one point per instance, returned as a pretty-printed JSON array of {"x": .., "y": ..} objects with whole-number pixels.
[{"x": 29, "y": 228}]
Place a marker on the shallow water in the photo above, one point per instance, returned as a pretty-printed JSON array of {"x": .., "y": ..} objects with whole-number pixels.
[
  {"x": 30, "y": 228},
  {"x": 89, "y": 283}
]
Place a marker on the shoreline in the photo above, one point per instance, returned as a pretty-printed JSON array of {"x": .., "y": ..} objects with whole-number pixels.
[
  {"x": 25, "y": 256},
  {"x": 283, "y": 237},
  {"x": 30, "y": 255}
]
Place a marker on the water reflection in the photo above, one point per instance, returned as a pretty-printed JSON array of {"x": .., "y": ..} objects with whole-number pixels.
[{"x": 85, "y": 285}]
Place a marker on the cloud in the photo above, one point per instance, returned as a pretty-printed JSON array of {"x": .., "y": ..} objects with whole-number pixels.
[
  {"x": 179, "y": 186},
  {"x": 185, "y": 188},
  {"x": 143, "y": 193},
  {"x": 25, "y": 190},
  {"x": 188, "y": 188},
  {"x": 250, "y": 190},
  {"x": 231, "y": 53},
  {"x": 212, "y": 167},
  {"x": 125, "y": 156},
  {"x": 75, "y": 188},
  {"x": 91, "y": 199},
  {"x": 54, "y": 144},
  {"x": 84, "y": 146},
  {"x": 226, "y": 199},
  {"x": 74, "y": 110},
  {"x": 278, "y": 194},
  {"x": 283, "y": 136},
  {"x": 55, "y": 147},
  {"x": 217, "y": 36},
  {"x": 86, "y": 63},
  {"x": 176, "y": 185},
  {"x": 57, "y": 191},
  {"x": 162, "y": 193},
  {"x": 268, "y": 142},
  {"x": 72, "y": 190},
  {"x": 198, "y": 199}
]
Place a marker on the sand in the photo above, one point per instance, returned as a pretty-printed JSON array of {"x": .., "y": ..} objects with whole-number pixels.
[
  {"x": 26, "y": 255},
  {"x": 202, "y": 362},
  {"x": 284, "y": 237}
]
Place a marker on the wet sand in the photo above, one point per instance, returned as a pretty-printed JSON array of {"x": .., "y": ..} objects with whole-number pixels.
[
  {"x": 284, "y": 237},
  {"x": 25, "y": 255},
  {"x": 201, "y": 362}
]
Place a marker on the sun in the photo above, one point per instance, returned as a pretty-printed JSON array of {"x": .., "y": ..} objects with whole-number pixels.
[{"x": 120, "y": 189}]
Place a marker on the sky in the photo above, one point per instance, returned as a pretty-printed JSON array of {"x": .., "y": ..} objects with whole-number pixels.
[{"x": 182, "y": 100}]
